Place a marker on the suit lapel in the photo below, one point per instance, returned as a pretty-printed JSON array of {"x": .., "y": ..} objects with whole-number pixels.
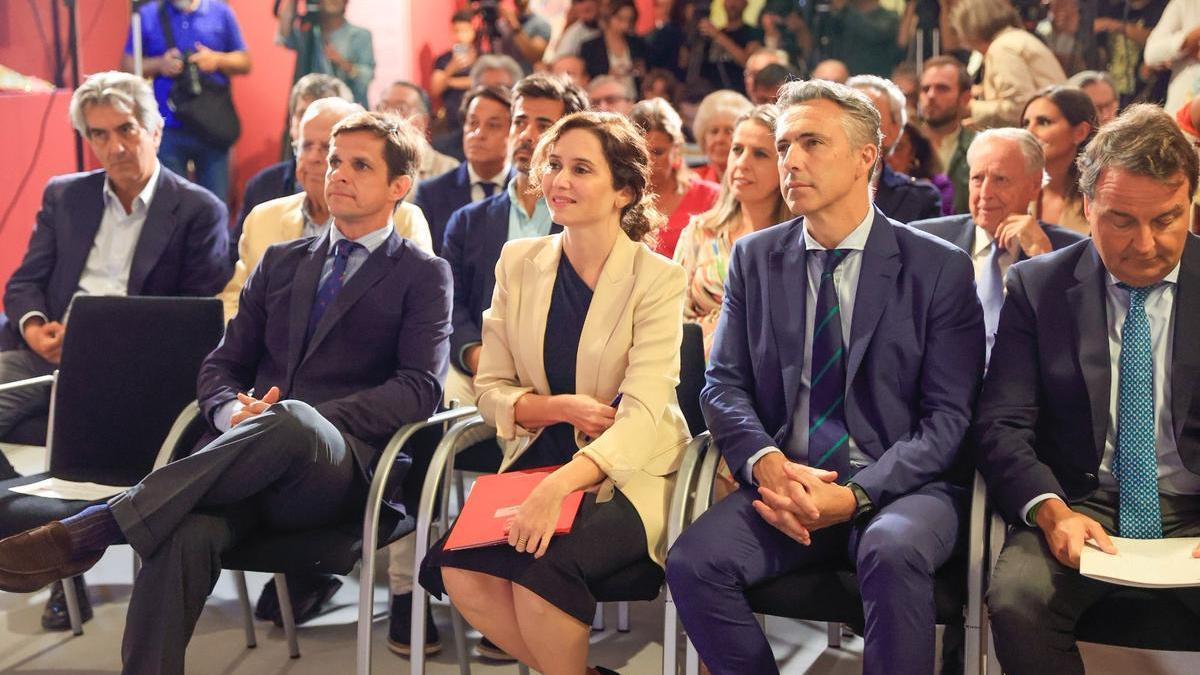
[
  {"x": 87, "y": 221},
  {"x": 965, "y": 237},
  {"x": 156, "y": 233},
  {"x": 537, "y": 287},
  {"x": 1185, "y": 365},
  {"x": 608, "y": 304},
  {"x": 880, "y": 265},
  {"x": 374, "y": 268},
  {"x": 1086, "y": 302},
  {"x": 304, "y": 290},
  {"x": 496, "y": 235},
  {"x": 787, "y": 295}
]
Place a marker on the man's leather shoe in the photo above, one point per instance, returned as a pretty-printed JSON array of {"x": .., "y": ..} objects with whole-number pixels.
[
  {"x": 400, "y": 628},
  {"x": 309, "y": 594},
  {"x": 55, "y": 615},
  {"x": 36, "y": 558}
]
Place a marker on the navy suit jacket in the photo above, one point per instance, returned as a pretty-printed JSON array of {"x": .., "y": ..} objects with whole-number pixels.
[
  {"x": 1044, "y": 411},
  {"x": 273, "y": 182},
  {"x": 914, "y": 354},
  {"x": 375, "y": 361},
  {"x": 474, "y": 237},
  {"x": 183, "y": 249},
  {"x": 440, "y": 196},
  {"x": 904, "y": 198},
  {"x": 960, "y": 231}
]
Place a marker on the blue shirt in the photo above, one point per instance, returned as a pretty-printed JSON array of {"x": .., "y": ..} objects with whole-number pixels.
[
  {"x": 351, "y": 42},
  {"x": 212, "y": 25},
  {"x": 522, "y": 225}
]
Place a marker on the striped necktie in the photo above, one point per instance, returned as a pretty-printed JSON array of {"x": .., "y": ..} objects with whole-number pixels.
[
  {"x": 828, "y": 437},
  {"x": 1135, "y": 463},
  {"x": 332, "y": 284}
]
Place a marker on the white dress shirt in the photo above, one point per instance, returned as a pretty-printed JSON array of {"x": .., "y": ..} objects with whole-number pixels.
[
  {"x": 983, "y": 249},
  {"x": 477, "y": 193}
]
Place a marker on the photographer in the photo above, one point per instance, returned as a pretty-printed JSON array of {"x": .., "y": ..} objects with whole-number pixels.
[
  {"x": 513, "y": 30},
  {"x": 203, "y": 49},
  {"x": 325, "y": 42}
]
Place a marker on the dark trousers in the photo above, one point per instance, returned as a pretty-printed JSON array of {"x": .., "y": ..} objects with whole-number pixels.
[
  {"x": 1035, "y": 602},
  {"x": 731, "y": 548},
  {"x": 287, "y": 469}
]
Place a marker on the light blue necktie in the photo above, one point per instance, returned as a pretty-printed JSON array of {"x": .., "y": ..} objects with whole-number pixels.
[
  {"x": 991, "y": 295},
  {"x": 1135, "y": 464}
]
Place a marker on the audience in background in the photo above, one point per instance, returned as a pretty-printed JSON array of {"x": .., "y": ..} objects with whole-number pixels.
[
  {"x": 1063, "y": 120},
  {"x": 1101, "y": 89},
  {"x": 1124, "y": 30},
  {"x": 831, "y": 70},
  {"x": 208, "y": 47},
  {"x": 582, "y": 24},
  {"x": 725, "y": 49},
  {"x": 405, "y": 99},
  {"x": 678, "y": 193},
  {"x": 1015, "y": 63},
  {"x": 1175, "y": 43},
  {"x": 524, "y": 35},
  {"x": 572, "y": 67},
  {"x": 667, "y": 43},
  {"x": 913, "y": 155},
  {"x": 661, "y": 83},
  {"x": 944, "y": 101},
  {"x": 617, "y": 51},
  {"x": 756, "y": 61},
  {"x": 784, "y": 29},
  {"x": 713, "y": 130},
  {"x": 608, "y": 94},
  {"x": 863, "y": 36},
  {"x": 451, "y": 77},
  {"x": 905, "y": 77},
  {"x": 768, "y": 81},
  {"x": 329, "y": 44}
]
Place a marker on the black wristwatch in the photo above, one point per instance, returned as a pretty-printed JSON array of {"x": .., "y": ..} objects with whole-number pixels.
[{"x": 863, "y": 509}]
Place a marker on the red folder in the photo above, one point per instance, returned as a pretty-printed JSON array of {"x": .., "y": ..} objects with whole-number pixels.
[{"x": 493, "y": 503}]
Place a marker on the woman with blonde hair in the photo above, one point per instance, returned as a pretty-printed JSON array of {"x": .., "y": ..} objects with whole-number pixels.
[
  {"x": 750, "y": 200},
  {"x": 578, "y": 370},
  {"x": 679, "y": 193},
  {"x": 713, "y": 129}
]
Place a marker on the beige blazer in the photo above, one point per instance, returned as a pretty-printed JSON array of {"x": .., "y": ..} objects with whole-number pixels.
[
  {"x": 1016, "y": 66},
  {"x": 630, "y": 344},
  {"x": 282, "y": 220}
]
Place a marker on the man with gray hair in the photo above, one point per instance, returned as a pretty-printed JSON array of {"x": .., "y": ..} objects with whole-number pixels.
[
  {"x": 410, "y": 101},
  {"x": 1084, "y": 428},
  {"x": 1006, "y": 168},
  {"x": 1099, "y": 87},
  {"x": 129, "y": 228},
  {"x": 897, "y": 194},
  {"x": 840, "y": 385}
]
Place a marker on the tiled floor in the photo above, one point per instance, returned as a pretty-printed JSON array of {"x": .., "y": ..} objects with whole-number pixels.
[{"x": 327, "y": 643}]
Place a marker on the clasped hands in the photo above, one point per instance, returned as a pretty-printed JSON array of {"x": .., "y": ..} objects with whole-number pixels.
[
  {"x": 253, "y": 407},
  {"x": 799, "y": 500}
]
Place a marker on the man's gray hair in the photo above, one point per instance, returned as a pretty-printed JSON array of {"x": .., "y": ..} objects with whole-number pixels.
[
  {"x": 1086, "y": 78},
  {"x": 331, "y": 105},
  {"x": 1027, "y": 143},
  {"x": 315, "y": 86},
  {"x": 496, "y": 62},
  {"x": 1145, "y": 141},
  {"x": 885, "y": 87},
  {"x": 124, "y": 91},
  {"x": 860, "y": 119}
]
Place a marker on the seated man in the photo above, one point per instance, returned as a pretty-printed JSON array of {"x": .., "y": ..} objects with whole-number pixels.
[
  {"x": 900, "y": 196},
  {"x": 842, "y": 432},
  {"x": 1084, "y": 427},
  {"x": 486, "y": 118},
  {"x": 410, "y": 101},
  {"x": 279, "y": 179},
  {"x": 344, "y": 337},
  {"x": 1006, "y": 168},
  {"x": 306, "y": 214}
]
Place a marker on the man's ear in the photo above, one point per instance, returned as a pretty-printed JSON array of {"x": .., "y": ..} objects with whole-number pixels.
[{"x": 400, "y": 186}]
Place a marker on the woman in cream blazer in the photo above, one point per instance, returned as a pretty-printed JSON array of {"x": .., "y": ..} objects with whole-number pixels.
[{"x": 618, "y": 432}]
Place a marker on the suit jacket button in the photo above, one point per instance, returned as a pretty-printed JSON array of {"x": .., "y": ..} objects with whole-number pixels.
[{"x": 1090, "y": 479}]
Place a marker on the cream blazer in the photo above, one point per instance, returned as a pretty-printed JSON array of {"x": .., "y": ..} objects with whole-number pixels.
[
  {"x": 282, "y": 220},
  {"x": 630, "y": 344},
  {"x": 1016, "y": 66}
]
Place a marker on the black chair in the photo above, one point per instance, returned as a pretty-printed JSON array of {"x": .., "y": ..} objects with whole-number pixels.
[
  {"x": 128, "y": 365},
  {"x": 639, "y": 582}
]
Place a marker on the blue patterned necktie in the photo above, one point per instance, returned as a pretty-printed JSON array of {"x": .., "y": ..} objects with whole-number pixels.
[
  {"x": 991, "y": 295},
  {"x": 827, "y": 435},
  {"x": 489, "y": 189},
  {"x": 332, "y": 284},
  {"x": 1135, "y": 463}
]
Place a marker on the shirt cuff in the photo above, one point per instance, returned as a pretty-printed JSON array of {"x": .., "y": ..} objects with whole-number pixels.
[
  {"x": 28, "y": 316},
  {"x": 224, "y": 414},
  {"x": 1027, "y": 510},
  {"x": 462, "y": 357},
  {"x": 748, "y": 469}
]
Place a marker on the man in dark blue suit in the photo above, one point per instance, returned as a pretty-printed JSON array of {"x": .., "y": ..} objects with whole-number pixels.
[
  {"x": 338, "y": 341},
  {"x": 841, "y": 383},
  {"x": 130, "y": 228},
  {"x": 1005, "y": 177},
  {"x": 900, "y": 196},
  {"x": 487, "y": 116},
  {"x": 1087, "y": 422},
  {"x": 477, "y": 232}
]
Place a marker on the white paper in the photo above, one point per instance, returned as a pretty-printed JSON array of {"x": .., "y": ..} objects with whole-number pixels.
[
  {"x": 56, "y": 488},
  {"x": 1145, "y": 563}
]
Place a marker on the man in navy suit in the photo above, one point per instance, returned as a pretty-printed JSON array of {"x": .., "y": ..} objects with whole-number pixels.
[
  {"x": 841, "y": 383},
  {"x": 338, "y": 341},
  {"x": 1005, "y": 177},
  {"x": 130, "y": 228},
  {"x": 1088, "y": 417},
  {"x": 900, "y": 196},
  {"x": 486, "y": 119}
]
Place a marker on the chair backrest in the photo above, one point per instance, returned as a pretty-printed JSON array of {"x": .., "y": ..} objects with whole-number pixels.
[
  {"x": 691, "y": 377},
  {"x": 129, "y": 366}
]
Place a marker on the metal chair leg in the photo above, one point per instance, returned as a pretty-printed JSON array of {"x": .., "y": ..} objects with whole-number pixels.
[
  {"x": 522, "y": 669},
  {"x": 460, "y": 641},
  {"x": 834, "y": 632},
  {"x": 70, "y": 593},
  {"x": 598, "y": 619},
  {"x": 289, "y": 617},
  {"x": 622, "y": 617},
  {"x": 670, "y": 636},
  {"x": 239, "y": 581},
  {"x": 692, "y": 662}
]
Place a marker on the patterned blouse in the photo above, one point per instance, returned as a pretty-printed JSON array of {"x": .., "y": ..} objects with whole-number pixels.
[{"x": 704, "y": 253}]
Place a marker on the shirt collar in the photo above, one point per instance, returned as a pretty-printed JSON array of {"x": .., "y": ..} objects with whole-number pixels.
[
  {"x": 308, "y": 214},
  {"x": 144, "y": 197},
  {"x": 1171, "y": 278},
  {"x": 855, "y": 241},
  {"x": 511, "y": 189},
  {"x": 983, "y": 241},
  {"x": 498, "y": 179},
  {"x": 370, "y": 241}
]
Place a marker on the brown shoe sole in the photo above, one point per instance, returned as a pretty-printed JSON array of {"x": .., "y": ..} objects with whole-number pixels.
[{"x": 406, "y": 650}]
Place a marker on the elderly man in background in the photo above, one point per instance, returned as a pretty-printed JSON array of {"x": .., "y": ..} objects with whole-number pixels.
[{"x": 410, "y": 101}]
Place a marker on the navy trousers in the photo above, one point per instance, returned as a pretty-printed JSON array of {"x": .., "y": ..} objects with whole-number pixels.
[{"x": 731, "y": 548}]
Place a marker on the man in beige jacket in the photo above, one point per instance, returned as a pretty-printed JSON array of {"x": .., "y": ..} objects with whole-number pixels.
[{"x": 305, "y": 214}]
